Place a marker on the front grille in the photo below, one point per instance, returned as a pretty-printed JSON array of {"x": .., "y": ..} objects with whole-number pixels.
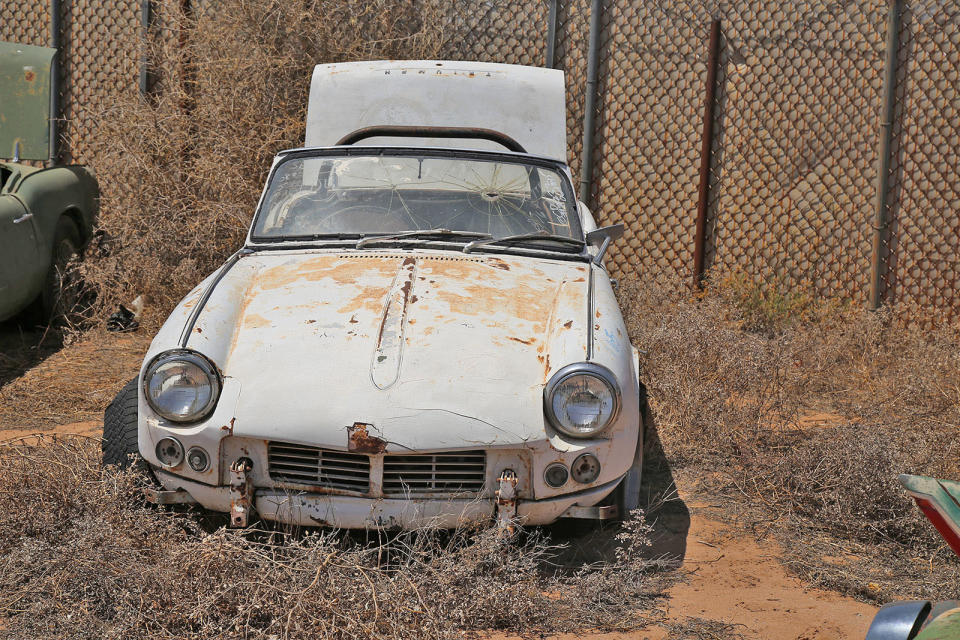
[
  {"x": 300, "y": 464},
  {"x": 453, "y": 472}
]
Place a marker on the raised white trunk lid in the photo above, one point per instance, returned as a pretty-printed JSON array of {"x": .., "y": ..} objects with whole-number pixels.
[{"x": 525, "y": 103}]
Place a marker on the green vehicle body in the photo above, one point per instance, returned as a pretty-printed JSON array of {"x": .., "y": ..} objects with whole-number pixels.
[
  {"x": 38, "y": 207},
  {"x": 945, "y": 626}
]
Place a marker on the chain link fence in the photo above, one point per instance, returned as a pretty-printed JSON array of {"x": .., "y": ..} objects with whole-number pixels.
[
  {"x": 797, "y": 111},
  {"x": 924, "y": 238}
]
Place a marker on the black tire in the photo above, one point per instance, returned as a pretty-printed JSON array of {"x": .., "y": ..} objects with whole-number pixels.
[
  {"x": 120, "y": 429},
  {"x": 60, "y": 292}
]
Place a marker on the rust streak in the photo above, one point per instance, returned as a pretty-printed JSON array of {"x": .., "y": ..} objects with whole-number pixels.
[{"x": 522, "y": 341}]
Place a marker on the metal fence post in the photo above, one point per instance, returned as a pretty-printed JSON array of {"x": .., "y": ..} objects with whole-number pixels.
[
  {"x": 590, "y": 103},
  {"x": 55, "y": 27},
  {"x": 551, "y": 58},
  {"x": 881, "y": 222},
  {"x": 703, "y": 194},
  {"x": 146, "y": 18}
]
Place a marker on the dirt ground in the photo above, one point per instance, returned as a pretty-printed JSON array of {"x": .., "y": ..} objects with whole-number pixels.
[
  {"x": 726, "y": 576},
  {"x": 731, "y": 577}
]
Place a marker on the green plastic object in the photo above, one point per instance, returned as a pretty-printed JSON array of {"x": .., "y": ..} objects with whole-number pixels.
[
  {"x": 25, "y": 101},
  {"x": 939, "y": 500},
  {"x": 946, "y": 626}
]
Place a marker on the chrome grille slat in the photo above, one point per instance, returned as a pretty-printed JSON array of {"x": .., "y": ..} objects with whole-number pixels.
[
  {"x": 448, "y": 472},
  {"x": 301, "y": 464},
  {"x": 455, "y": 472}
]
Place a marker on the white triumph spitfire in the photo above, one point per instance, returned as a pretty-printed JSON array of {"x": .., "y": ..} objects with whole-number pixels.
[{"x": 418, "y": 330}]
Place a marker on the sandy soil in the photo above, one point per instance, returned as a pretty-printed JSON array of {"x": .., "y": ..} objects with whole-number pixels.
[{"x": 732, "y": 578}]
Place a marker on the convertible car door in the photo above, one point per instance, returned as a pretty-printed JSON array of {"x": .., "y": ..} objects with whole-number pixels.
[{"x": 19, "y": 256}]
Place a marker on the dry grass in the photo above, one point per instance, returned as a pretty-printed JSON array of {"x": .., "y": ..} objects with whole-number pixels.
[
  {"x": 730, "y": 378},
  {"x": 81, "y": 557},
  {"x": 181, "y": 173},
  {"x": 74, "y": 384}
]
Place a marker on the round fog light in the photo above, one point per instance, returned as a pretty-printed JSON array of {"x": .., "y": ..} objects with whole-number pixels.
[
  {"x": 585, "y": 468},
  {"x": 169, "y": 452},
  {"x": 197, "y": 459},
  {"x": 555, "y": 475}
]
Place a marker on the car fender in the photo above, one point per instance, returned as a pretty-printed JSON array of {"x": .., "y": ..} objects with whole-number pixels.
[{"x": 51, "y": 193}]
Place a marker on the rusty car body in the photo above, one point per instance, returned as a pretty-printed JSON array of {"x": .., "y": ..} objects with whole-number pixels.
[
  {"x": 46, "y": 214},
  {"x": 413, "y": 333}
]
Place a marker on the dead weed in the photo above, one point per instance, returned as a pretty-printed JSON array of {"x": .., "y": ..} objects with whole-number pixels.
[
  {"x": 729, "y": 395},
  {"x": 82, "y": 557}
]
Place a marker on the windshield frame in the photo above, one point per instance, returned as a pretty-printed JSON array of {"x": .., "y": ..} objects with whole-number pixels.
[{"x": 560, "y": 168}]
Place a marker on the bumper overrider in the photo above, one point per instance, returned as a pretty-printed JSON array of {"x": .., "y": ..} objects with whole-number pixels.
[{"x": 353, "y": 477}]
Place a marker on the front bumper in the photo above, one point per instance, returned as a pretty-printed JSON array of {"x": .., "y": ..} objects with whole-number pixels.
[{"x": 303, "y": 508}]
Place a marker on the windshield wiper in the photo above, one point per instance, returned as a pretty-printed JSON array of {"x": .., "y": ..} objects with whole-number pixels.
[
  {"x": 541, "y": 235},
  {"x": 307, "y": 236},
  {"x": 362, "y": 242}
]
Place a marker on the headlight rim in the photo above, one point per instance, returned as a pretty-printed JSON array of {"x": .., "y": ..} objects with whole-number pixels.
[
  {"x": 196, "y": 358},
  {"x": 598, "y": 371}
]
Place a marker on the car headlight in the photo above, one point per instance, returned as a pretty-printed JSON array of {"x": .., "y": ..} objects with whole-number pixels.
[
  {"x": 582, "y": 399},
  {"x": 181, "y": 386}
]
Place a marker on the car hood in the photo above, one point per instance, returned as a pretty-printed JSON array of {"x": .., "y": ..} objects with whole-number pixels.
[{"x": 432, "y": 350}]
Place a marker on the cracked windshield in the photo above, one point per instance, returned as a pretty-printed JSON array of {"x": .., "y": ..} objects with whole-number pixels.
[{"x": 358, "y": 196}]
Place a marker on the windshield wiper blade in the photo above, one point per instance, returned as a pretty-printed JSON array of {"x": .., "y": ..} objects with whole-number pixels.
[
  {"x": 304, "y": 237},
  {"x": 362, "y": 242},
  {"x": 541, "y": 235}
]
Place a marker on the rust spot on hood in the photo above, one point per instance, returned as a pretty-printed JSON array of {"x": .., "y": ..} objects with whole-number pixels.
[
  {"x": 359, "y": 439},
  {"x": 339, "y": 269},
  {"x": 255, "y": 321},
  {"x": 497, "y": 263},
  {"x": 568, "y": 324},
  {"x": 522, "y": 341}
]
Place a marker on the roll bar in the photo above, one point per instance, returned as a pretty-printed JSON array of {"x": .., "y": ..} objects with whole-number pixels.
[{"x": 396, "y": 131}]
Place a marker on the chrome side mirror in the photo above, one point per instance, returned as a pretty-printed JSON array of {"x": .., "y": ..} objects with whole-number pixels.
[{"x": 606, "y": 235}]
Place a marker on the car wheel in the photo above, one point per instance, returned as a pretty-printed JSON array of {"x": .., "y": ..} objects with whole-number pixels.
[
  {"x": 120, "y": 429},
  {"x": 60, "y": 292}
]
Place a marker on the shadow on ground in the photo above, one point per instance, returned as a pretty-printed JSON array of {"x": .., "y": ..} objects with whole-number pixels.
[
  {"x": 587, "y": 542},
  {"x": 23, "y": 346}
]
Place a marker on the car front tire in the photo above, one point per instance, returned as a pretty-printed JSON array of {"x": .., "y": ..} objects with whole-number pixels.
[
  {"x": 59, "y": 295},
  {"x": 119, "y": 442}
]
